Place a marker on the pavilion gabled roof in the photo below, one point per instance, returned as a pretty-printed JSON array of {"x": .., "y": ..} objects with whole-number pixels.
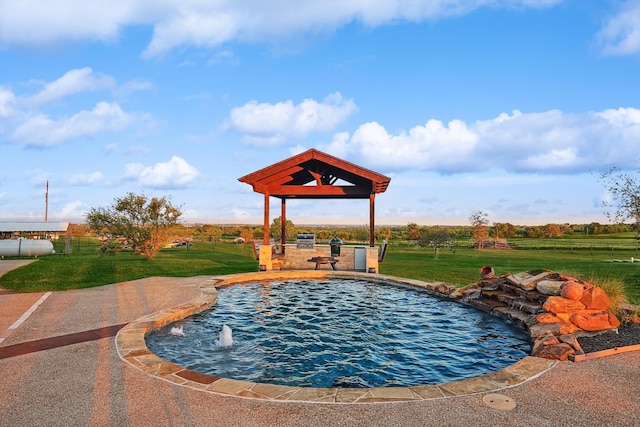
[{"x": 315, "y": 175}]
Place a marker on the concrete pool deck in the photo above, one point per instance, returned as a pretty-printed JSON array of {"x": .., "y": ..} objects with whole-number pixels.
[{"x": 84, "y": 382}]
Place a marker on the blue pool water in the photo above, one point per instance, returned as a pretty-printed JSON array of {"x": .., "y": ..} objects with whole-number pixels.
[{"x": 340, "y": 333}]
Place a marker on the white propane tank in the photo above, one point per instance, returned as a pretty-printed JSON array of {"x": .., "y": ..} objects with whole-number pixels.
[{"x": 24, "y": 247}]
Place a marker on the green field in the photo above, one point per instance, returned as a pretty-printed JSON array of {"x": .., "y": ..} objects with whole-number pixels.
[
  {"x": 461, "y": 266},
  {"x": 83, "y": 268},
  {"x": 583, "y": 259}
]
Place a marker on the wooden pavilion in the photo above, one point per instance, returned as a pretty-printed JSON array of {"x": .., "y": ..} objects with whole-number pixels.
[{"x": 316, "y": 175}]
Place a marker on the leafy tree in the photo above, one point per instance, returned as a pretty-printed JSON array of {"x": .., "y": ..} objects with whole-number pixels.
[
  {"x": 383, "y": 233},
  {"x": 276, "y": 229},
  {"x": 247, "y": 233},
  {"x": 361, "y": 234},
  {"x": 593, "y": 228},
  {"x": 624, "y": 191},
  {"x": 413, "y": 231},
  {"x": 435, "y": 237},
  {"x": 552, "y": 230},
  {"x": 534, "y": 232},
  {"x": 479, "y": 227},
  {"x": 504, "y": 230},
  {"x": 136, "y": 220}
]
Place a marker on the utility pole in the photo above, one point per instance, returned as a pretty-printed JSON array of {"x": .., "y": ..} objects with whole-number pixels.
[{"x": 46, "y": 203}]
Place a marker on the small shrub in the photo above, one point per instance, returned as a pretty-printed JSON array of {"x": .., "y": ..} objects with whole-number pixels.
[
  {"x": 630, "y": 315},
  {"x": 109, "y": 247},
  {"x": 614, "y": 288}
]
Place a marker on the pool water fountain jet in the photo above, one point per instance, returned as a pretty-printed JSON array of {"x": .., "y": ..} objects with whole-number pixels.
[
  {"x": 226, "y": 337},
  {"x": 178, "y": 331}
]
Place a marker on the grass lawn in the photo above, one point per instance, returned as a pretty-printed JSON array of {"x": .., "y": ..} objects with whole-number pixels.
[{"x": 84, "y": 268}]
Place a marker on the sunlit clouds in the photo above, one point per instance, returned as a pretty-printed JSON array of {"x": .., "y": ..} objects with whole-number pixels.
[
  {"x": 174, "y": 173},
  {"x": 209, "y": 24},
  {"x": 265, "y": 123},
  {"x": 551, "y": 142},
  {"x": 514, "y": 107}
]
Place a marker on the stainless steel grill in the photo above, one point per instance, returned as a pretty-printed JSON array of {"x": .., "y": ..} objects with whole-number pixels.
[{"x": 306, "y": 241}]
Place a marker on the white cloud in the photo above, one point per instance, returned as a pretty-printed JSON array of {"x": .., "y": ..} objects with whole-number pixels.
[
  {"x": 72, "y": 82},
  {"x": 432, "y": 146},
  {"x": 86, "y": 179},
  {"x": 271, "y": 124},
  {"x": 549, "y": 142},
  {"x": 34, "y": 22},
  {"x": 175, "y": 173},
  {"x": 7, "y": 102},
  {"x": 42, "y": 131},
  {"x": 72, "y": 211},
  {"x": 211, "y": 24},
  {"x": 621, "y": 33}
]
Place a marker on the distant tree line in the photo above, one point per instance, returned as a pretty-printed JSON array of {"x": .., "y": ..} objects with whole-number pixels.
[{"x": 409, "y": 232}]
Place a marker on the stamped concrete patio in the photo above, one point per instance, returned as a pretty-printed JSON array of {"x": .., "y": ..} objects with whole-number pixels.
[{"x": 59, "y": 366}]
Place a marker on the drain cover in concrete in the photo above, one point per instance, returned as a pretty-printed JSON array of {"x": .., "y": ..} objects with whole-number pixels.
[{"x": 499, "y": 401}]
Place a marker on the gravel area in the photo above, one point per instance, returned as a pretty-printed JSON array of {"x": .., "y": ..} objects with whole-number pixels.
[{"x": 628, "y": 334}]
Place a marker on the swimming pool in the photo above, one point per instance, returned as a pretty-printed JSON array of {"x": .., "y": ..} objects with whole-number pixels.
[{"x": 353, "y": 333}]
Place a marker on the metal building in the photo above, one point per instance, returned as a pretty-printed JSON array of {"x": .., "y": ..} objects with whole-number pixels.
[{"x": 31, "y": 230}]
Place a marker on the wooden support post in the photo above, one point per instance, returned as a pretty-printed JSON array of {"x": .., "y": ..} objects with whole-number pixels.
[
  {"x": 266, "y": 218},
  {"x": 372, "y": 218},
  {"x": 283, "y": 224}
]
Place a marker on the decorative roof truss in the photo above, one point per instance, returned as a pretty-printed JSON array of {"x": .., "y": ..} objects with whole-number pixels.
[{"x": 316, "y": 175}]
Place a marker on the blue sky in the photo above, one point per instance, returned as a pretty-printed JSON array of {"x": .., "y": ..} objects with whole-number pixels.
[{"x": 511, "y": 107}]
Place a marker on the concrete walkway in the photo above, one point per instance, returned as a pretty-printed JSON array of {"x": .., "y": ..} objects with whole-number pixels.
[{"x": 86, "y": 384}]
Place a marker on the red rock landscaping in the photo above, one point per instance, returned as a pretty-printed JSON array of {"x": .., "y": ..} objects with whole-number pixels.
[{"x": 555, "y": 308}]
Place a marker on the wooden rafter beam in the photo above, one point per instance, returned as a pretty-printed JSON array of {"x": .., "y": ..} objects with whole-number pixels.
[{"x": 319, "y": 191}]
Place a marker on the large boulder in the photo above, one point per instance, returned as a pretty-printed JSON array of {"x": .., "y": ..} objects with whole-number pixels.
[
  {"x": 557, "y": 328},
  {"x": 548, "y": 346},
  {"x": 562, "y": 305},
  {"x": 572, "y": 290},
  {"x": 549, "y": 287},
  {"x": 595, "y": 298},
  {"x": 594, "y": 321},
  {"x": 527, "y": 281}
]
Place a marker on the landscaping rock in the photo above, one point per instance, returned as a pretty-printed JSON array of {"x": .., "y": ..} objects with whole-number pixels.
[
  {"x": 549, "y": 318},
  {"x": 490, "y": 284},
  {"x": 445, "y": 289},
  {"x": 560, "y": 328},
  {"x": 549, "y": 287},
  {"x": 527, "y": 281},
  {"x": 560, "y": 352},
  {"x": 594, "y": 321},
  {"x": 572, "y": 341},
  {"x": 562, "y": 305},
  {"x": 547, "y": 339},
  {"x": 549, "y": 346},
  {"x": 471, "y": 293},
  {"x": 571, "y": 290},
  {"x": 555, "y": 308},
  {"x": 595, "y": 298}
]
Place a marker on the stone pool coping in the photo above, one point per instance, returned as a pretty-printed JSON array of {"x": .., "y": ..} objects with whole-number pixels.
[{"x": 132, "y": 348}]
